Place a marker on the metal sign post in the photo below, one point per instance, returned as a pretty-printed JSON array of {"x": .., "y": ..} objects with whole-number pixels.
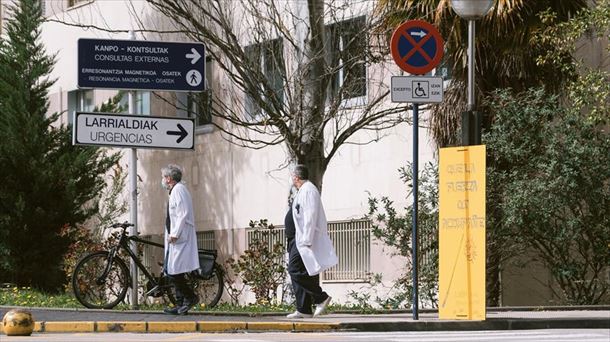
[
  {"x": 417, "y": 48},
  {"x": 133, "y": 213}
]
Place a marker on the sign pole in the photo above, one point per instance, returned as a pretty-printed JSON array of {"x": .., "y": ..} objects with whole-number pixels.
[
  {"x": 133, "y": 189},
  {"x": 414, "y": 232},
  {"x": 417, "y": 48}
]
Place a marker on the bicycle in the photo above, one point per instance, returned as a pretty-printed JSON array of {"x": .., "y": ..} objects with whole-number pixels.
[{"x": 100, "y": 279}]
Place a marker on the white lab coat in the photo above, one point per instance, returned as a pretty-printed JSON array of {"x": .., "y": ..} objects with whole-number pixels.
[
  {"x": 312, "y": 240},
  {"x": 182, "y": 255}
]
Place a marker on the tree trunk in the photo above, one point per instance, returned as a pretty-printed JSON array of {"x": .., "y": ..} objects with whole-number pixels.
[{"x": 316, "y": 163}]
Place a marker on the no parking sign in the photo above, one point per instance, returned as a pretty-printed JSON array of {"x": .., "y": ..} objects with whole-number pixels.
[{"x": 417, "y": 47}]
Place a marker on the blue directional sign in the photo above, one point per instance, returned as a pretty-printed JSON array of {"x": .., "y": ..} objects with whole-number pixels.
[
  {"x": 141, "y": 65},
  {"x": 417, "y": 47}
]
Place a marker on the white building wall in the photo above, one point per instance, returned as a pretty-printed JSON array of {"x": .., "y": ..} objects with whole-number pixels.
[{"x": 232, "y": 185}]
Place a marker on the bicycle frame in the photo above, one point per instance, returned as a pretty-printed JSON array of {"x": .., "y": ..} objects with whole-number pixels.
[{"x": 124, "y": 244}]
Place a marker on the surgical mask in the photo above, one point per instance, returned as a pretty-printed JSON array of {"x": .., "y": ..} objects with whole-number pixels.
[{"x": 164, "y": 185}]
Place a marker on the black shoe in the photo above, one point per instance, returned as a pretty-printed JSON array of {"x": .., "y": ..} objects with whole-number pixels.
[
  {"x": 172, "y": 311},
  {"x": 184, "y": 309}
]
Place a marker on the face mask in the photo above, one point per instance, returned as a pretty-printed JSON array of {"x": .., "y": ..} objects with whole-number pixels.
[{"x": 164, "y": 185}]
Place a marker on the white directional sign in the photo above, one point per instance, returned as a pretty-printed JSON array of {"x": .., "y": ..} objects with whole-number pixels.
[
  {"x": 133, "y": 131},
  {"x": 417, "y": 89}
]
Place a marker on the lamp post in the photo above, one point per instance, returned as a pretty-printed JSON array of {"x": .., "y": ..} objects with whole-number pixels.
[{"x": 471, "y": 10}]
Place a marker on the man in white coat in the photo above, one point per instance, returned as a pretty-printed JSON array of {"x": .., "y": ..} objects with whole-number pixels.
[
  {"x": 181, "y": 256},
  {"x": 310, "y": 251}
]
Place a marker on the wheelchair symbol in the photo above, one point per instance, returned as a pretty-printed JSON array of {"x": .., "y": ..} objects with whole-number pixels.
[{"x": 421, "y": 89}]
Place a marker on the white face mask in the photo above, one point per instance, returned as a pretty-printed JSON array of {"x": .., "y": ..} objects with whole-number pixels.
[{"x": 163, "y": 184}]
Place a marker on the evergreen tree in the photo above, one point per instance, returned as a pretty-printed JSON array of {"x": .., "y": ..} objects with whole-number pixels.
[{"x": 48, "y": 184}]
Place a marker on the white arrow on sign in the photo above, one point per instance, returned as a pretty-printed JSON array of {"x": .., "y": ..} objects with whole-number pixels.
[
  {"x": 194, "y": 55},
  {"x": 140, "y": 131},
  {"x": 421, "y": 34}
]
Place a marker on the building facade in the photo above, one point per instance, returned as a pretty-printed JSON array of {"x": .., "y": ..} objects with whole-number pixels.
[{"x": 232, "y": 185}]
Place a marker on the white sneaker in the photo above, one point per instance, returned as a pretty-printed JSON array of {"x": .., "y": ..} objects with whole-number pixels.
[
  {"x": 321, "y": 308},
  {"x": 297, "y": 314}
]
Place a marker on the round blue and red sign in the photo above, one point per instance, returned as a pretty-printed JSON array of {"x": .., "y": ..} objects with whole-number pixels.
[{"x": 417, "y": 47}]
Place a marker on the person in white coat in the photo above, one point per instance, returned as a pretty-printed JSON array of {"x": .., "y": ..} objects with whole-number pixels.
[
  {"x": 310, "y": 250},
  {"x": 181, "y": 255}
]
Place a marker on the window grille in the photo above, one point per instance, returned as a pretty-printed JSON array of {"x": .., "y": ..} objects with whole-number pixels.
[
  {"x": 427, "y": 243},
  {"x": 276, "y": 235},
  {"x": 352, "y": 241},
  {"x": 206, "y": 240},
  {"x": 352, "y": 244}
]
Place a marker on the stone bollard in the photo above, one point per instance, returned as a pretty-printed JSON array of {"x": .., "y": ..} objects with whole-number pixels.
[{"x": 18, "y": 322}]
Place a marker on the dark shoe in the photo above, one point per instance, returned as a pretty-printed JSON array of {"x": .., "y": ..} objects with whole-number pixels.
[
  {"x": 184, "y": 309},
  {"x": 172, "y": 311}
]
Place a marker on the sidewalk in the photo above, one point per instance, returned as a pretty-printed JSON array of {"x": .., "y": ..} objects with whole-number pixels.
[{"x": 85, "y": 320}]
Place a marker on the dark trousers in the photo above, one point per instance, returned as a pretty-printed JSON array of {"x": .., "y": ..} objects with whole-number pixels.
[
  {"x": 306, "y": 288},
  {"x": 184, "y": 292}
]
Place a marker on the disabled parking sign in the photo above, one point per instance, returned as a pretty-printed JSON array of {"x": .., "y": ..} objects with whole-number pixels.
[
  {"x": 417, "y": 89},
  {"x": 417, "y": 47}
]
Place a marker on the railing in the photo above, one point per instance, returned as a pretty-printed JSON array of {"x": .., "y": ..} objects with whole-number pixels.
[
  {"x": 352, "y": 241},
  {"x": 206, "y": 240},
  {"x": 352, "y": 244}
]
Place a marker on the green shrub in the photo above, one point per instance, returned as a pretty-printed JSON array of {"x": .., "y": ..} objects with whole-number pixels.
[{"x": 261, "y": 267}]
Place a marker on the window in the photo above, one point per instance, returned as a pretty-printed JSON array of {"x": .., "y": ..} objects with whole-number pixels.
[
  {"x": 347, "y": 46},
  {"x": 200, "y": 107},
  {"x": 74, "y": 3},
  {"x": 352, "y": 241},
  {"x": 142, "y": 103},
  {"x": 200, "y": 104},
  {"x": 197, "y": 105},
  {"x": 206, "y": 240},
  {"x": 268, "y": 59},
  {"x": 81, "y": 101}
]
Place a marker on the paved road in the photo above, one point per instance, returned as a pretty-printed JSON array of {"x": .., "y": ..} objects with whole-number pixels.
[{"x": 555, "y": 335}]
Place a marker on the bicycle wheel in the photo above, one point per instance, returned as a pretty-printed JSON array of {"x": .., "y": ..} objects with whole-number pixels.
[
  {"x": 91, "y": 289},
  {"x": 210, "y": 290}
]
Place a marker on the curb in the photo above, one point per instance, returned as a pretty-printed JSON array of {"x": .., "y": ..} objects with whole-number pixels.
[
  {"x": 176, "y": 327},
  {"x": 231, "y": 326},
  {"x": 489, "y": 324}
]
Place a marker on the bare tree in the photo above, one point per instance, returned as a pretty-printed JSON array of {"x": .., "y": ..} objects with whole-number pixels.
[{"x": 302, "y": 73}]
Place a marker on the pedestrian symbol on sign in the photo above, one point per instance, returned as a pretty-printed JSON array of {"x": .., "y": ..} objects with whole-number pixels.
[{"x": 193, "y": 77}]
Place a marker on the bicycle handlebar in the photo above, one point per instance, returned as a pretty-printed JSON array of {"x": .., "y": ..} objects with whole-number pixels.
[{"x": 122, "y": 225}]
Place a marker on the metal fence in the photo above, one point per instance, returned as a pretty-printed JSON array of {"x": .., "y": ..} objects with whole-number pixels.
[
  {"x": 352, "y": 242},
  {"x": 206, "y": 240}
]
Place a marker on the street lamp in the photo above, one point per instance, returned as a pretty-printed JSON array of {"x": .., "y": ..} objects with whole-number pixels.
[{"x": 471, "y": 10}]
